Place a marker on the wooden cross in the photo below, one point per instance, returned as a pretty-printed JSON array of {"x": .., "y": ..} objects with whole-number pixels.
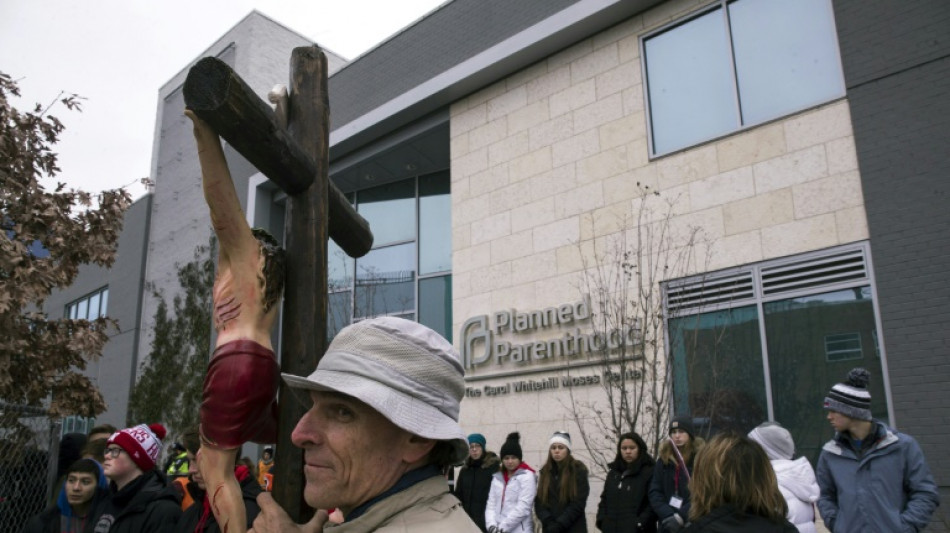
[{"x": 297, "y": 160}]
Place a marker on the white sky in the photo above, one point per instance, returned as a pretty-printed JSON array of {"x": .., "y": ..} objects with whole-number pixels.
[{"x": 117, "y": 53}]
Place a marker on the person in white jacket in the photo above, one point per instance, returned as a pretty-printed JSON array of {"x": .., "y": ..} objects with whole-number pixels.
[
  {"x": 513, "y": 488},
  {"x": 796, "y": 479}
]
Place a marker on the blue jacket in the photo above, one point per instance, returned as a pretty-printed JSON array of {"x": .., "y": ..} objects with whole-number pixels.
[{"x": 887, "y": 489}]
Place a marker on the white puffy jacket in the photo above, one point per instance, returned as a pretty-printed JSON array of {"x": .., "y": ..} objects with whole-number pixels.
[
  {"x": 509, "y": 505},
  {"x": 796, "y": 480}
]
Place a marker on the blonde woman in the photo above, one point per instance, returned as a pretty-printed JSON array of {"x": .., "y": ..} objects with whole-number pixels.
[
  {"x": 735, "y": 490},
  {"x": 669, "y": 489}
]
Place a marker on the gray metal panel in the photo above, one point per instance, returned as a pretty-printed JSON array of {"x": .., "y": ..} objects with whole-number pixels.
[
  {"x": 896, "y": 59},
  {"x": 446, "y": 37},
  {"x": 453, "y": 52}
]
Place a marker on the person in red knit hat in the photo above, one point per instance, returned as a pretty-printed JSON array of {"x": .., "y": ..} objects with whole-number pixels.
[{"x": 139, "y": 499}]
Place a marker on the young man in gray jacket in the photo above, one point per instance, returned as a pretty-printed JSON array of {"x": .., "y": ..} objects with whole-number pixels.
[{"x": 872, "y": 478}]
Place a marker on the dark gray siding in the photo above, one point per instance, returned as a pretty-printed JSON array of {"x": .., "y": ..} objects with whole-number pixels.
[
  {"x": 113, "y": 372},
  {"x": 896, "y": 58}
]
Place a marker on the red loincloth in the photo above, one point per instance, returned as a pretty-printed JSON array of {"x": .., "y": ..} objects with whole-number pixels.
[{"x": 239, "y": 398}]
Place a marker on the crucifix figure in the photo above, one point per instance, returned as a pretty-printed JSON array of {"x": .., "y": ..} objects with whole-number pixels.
[{"x": 239, "y": 396}]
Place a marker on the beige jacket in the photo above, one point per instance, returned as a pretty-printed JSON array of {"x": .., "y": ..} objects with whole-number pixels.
[{"x": 426, "y": 507}]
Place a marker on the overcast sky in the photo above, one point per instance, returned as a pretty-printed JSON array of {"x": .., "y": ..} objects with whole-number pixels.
[{"x": 117, "y": 53}]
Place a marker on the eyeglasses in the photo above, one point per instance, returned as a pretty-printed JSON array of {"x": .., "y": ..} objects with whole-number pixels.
[{"x": 113, "y": 452}]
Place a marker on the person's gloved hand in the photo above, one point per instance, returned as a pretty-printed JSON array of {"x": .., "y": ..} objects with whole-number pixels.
[{"x": 673, "y": 523}]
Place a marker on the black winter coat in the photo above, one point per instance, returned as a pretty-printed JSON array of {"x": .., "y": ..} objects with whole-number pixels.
[
  {"x": 624, "y": 505},
  {"x": 146, "y": 505},
  {"x": 192, "y": 516},
  {"x": 727, "y": 519},
  {"x": 473, "y": 485},
  {"x": 665, "y": 485},
  {"x": 566, "y": 517}
]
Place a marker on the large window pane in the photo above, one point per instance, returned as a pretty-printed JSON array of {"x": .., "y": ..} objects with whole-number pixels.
[
  {"x": 717, "y": 369},
  {"x": 104, "y": 306},
  {"x": 691, "y": 87},
  {"x": 339, "y": 268},
  {"x": 391, "y": 211},
  {"x": 435, "y": 304},
  {"x": 435, "y": 224},
  {"x": 786, "y": 56},
  {"x": 339, "y": 312},
  {"x": 385, "y": 281},
  {"x": 94, "y": 306},
  {"x": 798, "y": 331}
]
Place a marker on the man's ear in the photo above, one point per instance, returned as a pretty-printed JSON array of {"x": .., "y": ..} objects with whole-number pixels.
[{"x": 417, "y": 449}]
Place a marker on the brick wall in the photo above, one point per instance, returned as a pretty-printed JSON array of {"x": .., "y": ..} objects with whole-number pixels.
[{"x": 896, "y": 59}]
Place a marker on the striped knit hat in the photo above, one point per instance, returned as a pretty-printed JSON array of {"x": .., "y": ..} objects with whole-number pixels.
[{"x": 851, "y": 398}]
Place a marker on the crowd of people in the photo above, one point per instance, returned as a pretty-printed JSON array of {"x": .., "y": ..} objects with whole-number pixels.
[
  {"x": 870, "y": 478},
  {"x": 381, "y": 431}
]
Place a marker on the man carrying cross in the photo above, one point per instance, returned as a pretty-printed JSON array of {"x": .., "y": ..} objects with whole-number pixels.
[{"x": 239, "y": 396}]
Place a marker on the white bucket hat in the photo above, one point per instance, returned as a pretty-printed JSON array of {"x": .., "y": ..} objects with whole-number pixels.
[{"x": 404, "y": 370}]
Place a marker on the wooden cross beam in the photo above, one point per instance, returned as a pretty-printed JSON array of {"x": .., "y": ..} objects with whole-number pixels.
[{"x": 296, "y": 159}]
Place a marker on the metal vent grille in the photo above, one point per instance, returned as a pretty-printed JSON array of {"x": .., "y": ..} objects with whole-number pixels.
[
  {"x": 710, "y": 291},
  {"x": 846, "y": 266}
]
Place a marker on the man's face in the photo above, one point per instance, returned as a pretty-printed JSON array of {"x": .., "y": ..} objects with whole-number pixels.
[
  {"x": 80, "y": 488},
  {"x": 351, "y": 452},
  {"x": 194, "y": 472},
  {"x": 475, "y": 451},
  {"x": 118, "y": 464},
  {"x": 840, "y": 422}
]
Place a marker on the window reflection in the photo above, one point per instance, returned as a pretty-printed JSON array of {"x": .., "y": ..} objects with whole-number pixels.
[
  {"x": 435, "y": 304},
  {"x": 435, "y": 224},
  {"x": 690, "y": 83},
  {"x": 385, "y": 281},
  {"x": 717, "y": 366},
  {"x": 390, "y": 210},
  {"x": 797, "y": 333}
]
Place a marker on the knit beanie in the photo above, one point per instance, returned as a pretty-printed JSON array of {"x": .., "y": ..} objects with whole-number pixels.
[
  {"x": 142, "y": 443},
  {"x": 511, "y": 446},
  {"x": 774, "y": 439},
  {"x": 684, "y": 423},
  {"x": 851, "y": 398},
  {"x": 477, "y": 438},
  {"x": 560, "y": 437}
]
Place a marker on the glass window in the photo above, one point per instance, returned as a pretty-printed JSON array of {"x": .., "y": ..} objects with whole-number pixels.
[
  {"x": 435, "y": 224},
  {"x": 339, "y": 311},
  {"x": 385, "y": 281},
  {"x": 435, "y": 304},
  {"x": 843, "y": 346},
  {"x": 717, "y": 367},
  {"x": 89, "y": 307},
  {"x": 817, "y": 315},
  {"x": 780, "y": 67},
  {"x": 390, "y": 210},
  {"x": 772, "y": 58},
  {"x": 797, "y": 330},
  {"x": 339, "y": 268},
  {"x": 692, "y": 93}
]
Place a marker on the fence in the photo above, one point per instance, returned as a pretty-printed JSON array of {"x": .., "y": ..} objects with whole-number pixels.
[{"x": 29, "y": 445}]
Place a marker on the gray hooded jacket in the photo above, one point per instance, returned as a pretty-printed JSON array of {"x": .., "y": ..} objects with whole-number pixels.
[{"x": 888, "y": 488}]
